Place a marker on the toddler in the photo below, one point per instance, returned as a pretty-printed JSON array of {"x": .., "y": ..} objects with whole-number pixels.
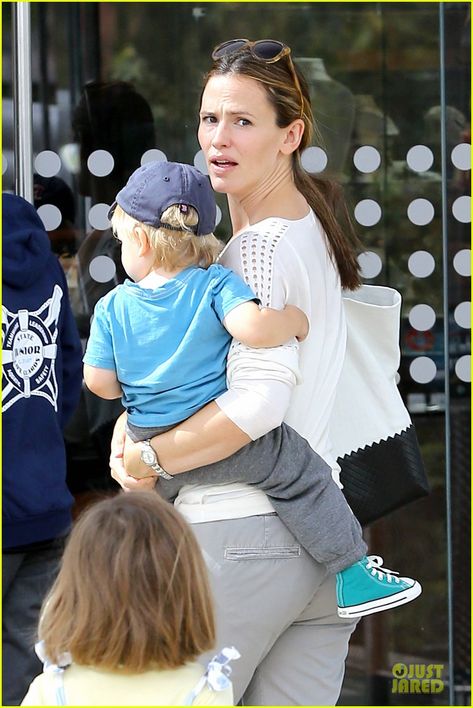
[{"x": 161, "y": 342}]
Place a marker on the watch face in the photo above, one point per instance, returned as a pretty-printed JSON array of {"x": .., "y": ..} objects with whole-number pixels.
[{"x": 148, "y": 457}]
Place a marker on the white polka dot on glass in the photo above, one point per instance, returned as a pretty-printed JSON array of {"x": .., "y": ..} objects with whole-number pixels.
[
  {"x": 422, "y": 317},
  {"x": 100, "y": 163},
  {"x": 218, "y": 217},
  {"x": 423, "y": 370},
  {"x": 4, "y": 164},
  {"x": 314, "y": 159},
  {"x": 421, "y": 264},
  {"x": 367, "y": 159},
  {"x": 98, "y": 216},
  {"x": 461, "y": 156},
  {"x": 461, "y": 209},
  {"x": 200, "y": 163},
  {"x": 153, "y": 155},
  {"x": 50, "y": 216},
  {"x": 420, "y": 212},
  {"x": 47, "y": 163},
  {"x": 462, "y": 262},
  {"x": 463, "y": 368},
  {"x": 462, "y": 315},
  {"x": 370, "y": 263},
  {"x": 102, "y": 269},
  {"x": 420, "y": 158},
  {"x": 368, "y": 212}
]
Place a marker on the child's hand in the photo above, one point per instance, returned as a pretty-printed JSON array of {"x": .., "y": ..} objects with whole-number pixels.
[{"x": 300, "y": 320}]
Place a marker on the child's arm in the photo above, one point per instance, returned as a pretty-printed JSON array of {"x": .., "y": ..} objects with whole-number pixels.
[
  {"x": 102, "y": 382},
  {"x": 266, "y": 327}
]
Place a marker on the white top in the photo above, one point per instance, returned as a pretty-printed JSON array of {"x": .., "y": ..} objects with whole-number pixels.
[{"x": 284, "y": 262}]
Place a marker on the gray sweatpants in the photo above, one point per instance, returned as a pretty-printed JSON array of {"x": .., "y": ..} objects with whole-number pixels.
[{"x": 299, "y": 484}]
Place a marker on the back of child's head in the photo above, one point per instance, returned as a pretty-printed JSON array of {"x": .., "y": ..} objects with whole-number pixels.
[
  {"x": 132, "y": 592},
  {"x": 174, "y": 247},
  {"x": 174, "y": 203}
]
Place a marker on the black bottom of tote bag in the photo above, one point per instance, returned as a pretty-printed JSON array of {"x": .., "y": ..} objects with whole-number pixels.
[{"x": 384, "y": 476}]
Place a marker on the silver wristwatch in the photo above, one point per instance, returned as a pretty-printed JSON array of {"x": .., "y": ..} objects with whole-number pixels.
[{"x": 150, "y": 458}]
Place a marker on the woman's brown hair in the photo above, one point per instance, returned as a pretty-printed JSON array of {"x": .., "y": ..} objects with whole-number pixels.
[
  {"x": 324, "y": 196},
  {"x": 132, "y": 592}
]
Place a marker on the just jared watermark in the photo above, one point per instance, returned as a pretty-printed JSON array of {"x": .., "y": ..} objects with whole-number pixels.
[{"x": 417, "y": 678}]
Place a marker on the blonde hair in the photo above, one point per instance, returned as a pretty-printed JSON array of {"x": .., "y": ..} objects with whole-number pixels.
[
  {"x": 174, "y": 248},
  {"x": 132, "y": 592},
  {"x": 324, "y": 196}
]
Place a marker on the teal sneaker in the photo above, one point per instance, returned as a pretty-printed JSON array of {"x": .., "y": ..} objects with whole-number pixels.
[{"x": 366, "y": 587}]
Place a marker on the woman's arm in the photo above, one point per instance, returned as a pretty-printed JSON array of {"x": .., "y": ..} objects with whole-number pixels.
[{"x": 206, "y": 437}]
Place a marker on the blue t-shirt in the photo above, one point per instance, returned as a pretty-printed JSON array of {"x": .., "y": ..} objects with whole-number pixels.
[{"x": 168, "y": 346}]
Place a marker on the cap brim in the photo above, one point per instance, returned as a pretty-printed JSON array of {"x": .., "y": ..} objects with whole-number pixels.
[{"x": 112, "y": 210}]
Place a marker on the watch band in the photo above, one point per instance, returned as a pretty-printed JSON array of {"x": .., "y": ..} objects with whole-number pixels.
[
  {"x": 147, "y": 451},
  {"x": 160, "y": 472}
]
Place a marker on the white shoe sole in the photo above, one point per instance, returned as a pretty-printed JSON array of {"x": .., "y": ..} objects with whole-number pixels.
[{"x": 385, "y": 603}]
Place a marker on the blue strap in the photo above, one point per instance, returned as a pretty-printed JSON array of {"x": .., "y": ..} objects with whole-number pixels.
[
  {"x": 217, "y": 674},
  {"x": 56, "y": 670},
  {"x": 59, "y": 686}
]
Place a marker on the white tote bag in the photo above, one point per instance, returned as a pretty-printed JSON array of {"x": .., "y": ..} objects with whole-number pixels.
[{"x": 371, "y": 430}]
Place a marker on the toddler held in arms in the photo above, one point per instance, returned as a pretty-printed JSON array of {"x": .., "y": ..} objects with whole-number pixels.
[{"x": 161, "y": 343}]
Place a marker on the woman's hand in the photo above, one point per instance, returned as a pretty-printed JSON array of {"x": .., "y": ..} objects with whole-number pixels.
[
  {"x": 133, "y": 463},
  {"x": 120, "y": 442}
]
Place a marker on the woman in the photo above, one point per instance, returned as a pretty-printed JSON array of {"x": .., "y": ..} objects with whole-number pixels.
[{"x": 275, "y": 603}]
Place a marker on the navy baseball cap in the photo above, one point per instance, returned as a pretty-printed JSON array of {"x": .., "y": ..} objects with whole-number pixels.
[{"x": 156, "y": 186}]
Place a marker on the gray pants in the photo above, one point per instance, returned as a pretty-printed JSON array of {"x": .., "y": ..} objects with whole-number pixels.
[
  {"x": 299, "y": 484},
  {"x": 278, "y": 607},
  {"x": 26, "y": 578}
]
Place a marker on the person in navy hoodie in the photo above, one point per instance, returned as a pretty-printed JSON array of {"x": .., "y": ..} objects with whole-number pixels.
[{"x": 41, "y": 382}]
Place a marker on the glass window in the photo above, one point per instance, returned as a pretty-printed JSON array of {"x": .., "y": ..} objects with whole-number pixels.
[{"x": 117, "y": 84}]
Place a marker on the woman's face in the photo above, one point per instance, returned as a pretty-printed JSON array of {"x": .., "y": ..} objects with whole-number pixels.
[{"x": 239, "y": 136}]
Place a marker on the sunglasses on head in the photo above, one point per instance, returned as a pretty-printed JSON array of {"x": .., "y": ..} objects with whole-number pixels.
[{"x": 267, "y": 50}]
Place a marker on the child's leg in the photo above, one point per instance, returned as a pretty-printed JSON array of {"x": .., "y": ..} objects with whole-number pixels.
[
  {"x": 305, "y": 497},
  {"x": 301, "y": 488},
  {"x": 366, "y": 587},
  {"x": 137, "y": 434}
]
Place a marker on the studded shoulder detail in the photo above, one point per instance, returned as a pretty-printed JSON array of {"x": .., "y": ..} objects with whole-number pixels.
[{"x": 257, "y": 258}]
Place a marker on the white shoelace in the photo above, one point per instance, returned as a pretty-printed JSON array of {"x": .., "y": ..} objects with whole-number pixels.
[{"x": 375, "y": 564}]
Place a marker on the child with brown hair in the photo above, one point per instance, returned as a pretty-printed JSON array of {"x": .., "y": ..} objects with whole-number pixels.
[{"x": 129, "y": 613}]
